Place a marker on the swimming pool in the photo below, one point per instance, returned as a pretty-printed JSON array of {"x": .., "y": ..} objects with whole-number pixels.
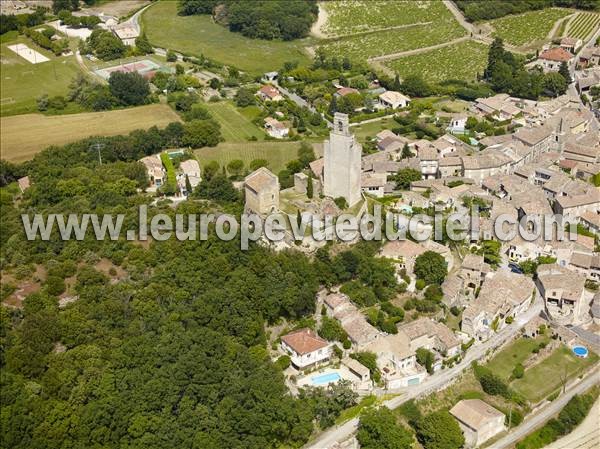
[
  {"x": 580, "y": 351},
  {"x": 325, "y": 378}
]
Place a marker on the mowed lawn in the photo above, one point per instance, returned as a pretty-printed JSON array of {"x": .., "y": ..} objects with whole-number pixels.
[
  {"x": 200, "y": 35},
  {"x": 544, "y": 378},
  {"x": 25, "y": 135},
  {"x": 277, "y": 153},
  {"x": 518, "y": 351},
  {"x": 528, "y": 29},
  {"x": 236, "y": 125},
  {"x": 22, "y": 82},
  {"x": 459, "y": 61}
]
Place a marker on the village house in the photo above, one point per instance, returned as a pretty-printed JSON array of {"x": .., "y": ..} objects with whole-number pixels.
[
  {"x": 458, "y": 123},
  {"x": 343, "y": 91},
  {"x": 396, "y": 361},
  {"x": 393, "y": 100},
  {"x": 403, "y": 253},
  {"x": 432, "y": 335},
  {"x": 155, "y": 170},
  {"x": 360, "y": 371},
  {"x": 305, "y": 348},
  {"x": 474, "y": 270},
  {"x": 269, "y": 93},
  {"x": 360, "y": 332},
  {"x": 551, "y": 59},
  {"x": 571, "y": 44},
  {"x": 478, "y": 420},
  {"x": 586, "y": 264},
  {"x": 500, "y": 107},
  {"x": 502, "y": 295},
  {"x": 276, "y": 129},
  {"x": 582, "y": 153},
  {"x": 573, "y": 206},
  {"x": 590, "y": 221},
  {"x": 127, "y": 33},
  {"x": 589, "y": 57},
  {"x": 563, "y": 292},
  {"x": 190, "y": 169},
  {"x": 595, "y": 308},
  {"x": 262, "y": 191},
  {"x": 373, "y": 184}
]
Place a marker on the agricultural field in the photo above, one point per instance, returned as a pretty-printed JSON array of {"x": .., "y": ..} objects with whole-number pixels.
[
  {"x": 365, "y": 46},
  {"x": 277, "y": 153},
  {"x": 528, "y": 29},
  {"x": 236, "y": 124},
  {"x": 24, "y": 135},
  {"x": 197, "y": 35},
  {"x": 463, "y": 60},
  {"x": 23, "y": 82},
  {"x": 582, "y": 25},
  {"x": 351, "y": 17}
]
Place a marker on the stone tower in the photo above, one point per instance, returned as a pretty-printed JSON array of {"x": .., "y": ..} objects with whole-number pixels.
[{"x": 342, "y": 154}]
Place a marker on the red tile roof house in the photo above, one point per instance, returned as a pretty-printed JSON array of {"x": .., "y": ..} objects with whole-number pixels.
[
  {"x": 269, "y": 93},
  {"x": 305, "y": 348},
  {"x": 551, "y": 59}
]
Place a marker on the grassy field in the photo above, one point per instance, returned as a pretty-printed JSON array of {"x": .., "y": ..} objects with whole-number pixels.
[
  {"x": 542, "y": 379},
  {"x": 277, "y": 153},
  {"x": 23, "y": 82},
  {"x": 356, "y": 16},
  {"x": 528, "y": 29},
  {"x": 583, "y": 24},
  {"x": 200, "y": 35},
  {"x": 459, "y": 61},
  {"x": 365, "y": 46},
  {"x": 236, "y": 125},
  {"x": 24, "y": 135},
  {"x": 503, "y": 363}
]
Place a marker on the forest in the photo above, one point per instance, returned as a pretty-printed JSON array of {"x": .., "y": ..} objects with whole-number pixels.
[
  {"x": 264, "y": 19},
  {"x": 172, "y": 353},
  {"x": 475, "y": 10}
]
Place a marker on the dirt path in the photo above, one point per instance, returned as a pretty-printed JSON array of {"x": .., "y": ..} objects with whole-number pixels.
[
  {"x": 416, "y": 51},
  {"x": 556, "y": 25},
  {"x": 317, "y": 28}
]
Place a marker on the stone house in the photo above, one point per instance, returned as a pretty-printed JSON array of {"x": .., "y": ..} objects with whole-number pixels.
[
  {"x": 261, "y": 189},
  {"x": 478, "y": 420}
]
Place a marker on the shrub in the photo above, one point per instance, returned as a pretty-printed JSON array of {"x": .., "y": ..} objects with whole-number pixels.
[{"x": 283, "y": 362}]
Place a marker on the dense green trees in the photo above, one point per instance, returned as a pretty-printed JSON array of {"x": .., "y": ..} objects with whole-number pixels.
[
  {"x": 131, "y": 89},
  {"x": 439, "y": 430},
  {"x": 475, "y": 10},
  {"x": 104, "y": 45},
  {"x": 273, "y": 19},
  {"x": 405, "y": 176},
  {"x": 379, "y": 429},
  {"x": 431, "y": 267}
]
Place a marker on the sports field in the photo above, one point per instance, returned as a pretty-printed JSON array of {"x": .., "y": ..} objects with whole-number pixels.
[
  {"x": 23, "y": 82},
  {"x": 236, "y": 124},
  {"x": 197, "y": 35},
  {"x": 277, "y": 153},
  {"x": 24, "y": 135},
  {"x": 528, "y": 29},
  {"x": 459, "y": 61}
]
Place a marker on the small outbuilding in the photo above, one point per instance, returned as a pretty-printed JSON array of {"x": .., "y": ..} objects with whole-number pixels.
[{"x": 478, "y": 420}]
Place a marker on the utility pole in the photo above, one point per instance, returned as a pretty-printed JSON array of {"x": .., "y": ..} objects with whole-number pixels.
[{"x": 98, "y": 147}]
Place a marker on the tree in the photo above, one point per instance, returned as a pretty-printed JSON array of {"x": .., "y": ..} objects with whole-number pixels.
[
  {"x": 201, "y": 133},
  {"x": 255, "y": 164},
  {"x": 244, "y": 97},
  {"x": 188, "y": 184},
  {"x": 555, "y": 84},
  {"x": 431, "y": 267},
  {"x": 406, "y": 153},
  {"x": 565, "y": 72},
  {"x": 171, "y": 56},
  {"x": 309, "y": 186},
  {"x": 143, "y": 44},
  {"x": 439, "y": 430},
  {"x": 518, "y": 371},
  {"x": 235, "y": 167},
  {"x": 416, "y": 86},
  {"x": 405, "y": 176},
  {"x": 379, "y": 429},
  {"x": 333, "y": 108},
  {"x": 425, "y": 358},
  {"x": 129, "y": 88},
  {"x": 105, "y": 45},
  {"x": 218, "y": 188},
  {"x": 306, "y": 154}
]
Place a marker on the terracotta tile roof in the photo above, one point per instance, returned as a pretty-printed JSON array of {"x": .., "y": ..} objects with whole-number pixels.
[
  {"x": 304, "y": 341},
  {"x": 475, "y": 413},
  {"x": 556, "y": 54}
]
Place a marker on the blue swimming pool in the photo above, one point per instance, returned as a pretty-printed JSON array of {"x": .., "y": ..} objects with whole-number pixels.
[
  {"x": 325, "y": 378},
  {"x": 580, "y": 351}
]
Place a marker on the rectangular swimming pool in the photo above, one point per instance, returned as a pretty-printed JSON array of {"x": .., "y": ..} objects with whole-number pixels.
[{"x": 325, "y": 378}]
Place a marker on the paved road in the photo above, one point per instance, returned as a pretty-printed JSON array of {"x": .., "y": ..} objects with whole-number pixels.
[
  {"x": 539, "y": 418},
  {"x": 300, "y": 101},
  {"x": 436, "y": 382}
]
